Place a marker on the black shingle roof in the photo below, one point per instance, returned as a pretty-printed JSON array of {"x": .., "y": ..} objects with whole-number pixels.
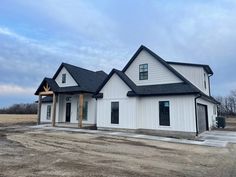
[{"x": 88, "y": 81}]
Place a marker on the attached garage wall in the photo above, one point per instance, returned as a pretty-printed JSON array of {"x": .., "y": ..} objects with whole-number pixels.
[
  {"x": 212, "y": 112},
  {"x": 182, "y": 115}
]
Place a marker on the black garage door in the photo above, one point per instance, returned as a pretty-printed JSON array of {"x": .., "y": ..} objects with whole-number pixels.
[{"x": 202, "y": 118}]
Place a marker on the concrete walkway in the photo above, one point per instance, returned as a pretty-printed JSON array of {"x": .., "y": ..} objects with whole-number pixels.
[{"x": 212, "y": 138}]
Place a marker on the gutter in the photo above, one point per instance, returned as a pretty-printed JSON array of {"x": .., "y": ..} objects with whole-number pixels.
[{"x": 196, "y": 119}]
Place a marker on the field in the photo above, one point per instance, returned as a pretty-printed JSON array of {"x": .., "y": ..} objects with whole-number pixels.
[
  {"x": 11, "y": 119},
  {"x": 36, "y": 152}
]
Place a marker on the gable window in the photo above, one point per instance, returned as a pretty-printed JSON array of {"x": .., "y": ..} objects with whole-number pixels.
[
  {"x": 48, "y": 112},
  {"x": 143, "y": 72},
  {"x": 164, "y": 113},
  {"x": 115, "y": 112},
  {"x": 63, "y": 78},
  {"x": 205, "y": 85}
]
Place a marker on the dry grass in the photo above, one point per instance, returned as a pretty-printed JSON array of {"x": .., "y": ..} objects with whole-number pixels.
[{"x": 17, "y": 118}]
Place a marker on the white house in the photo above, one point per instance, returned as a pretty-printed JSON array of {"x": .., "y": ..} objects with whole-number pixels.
[{"x": 149, "y": 94}]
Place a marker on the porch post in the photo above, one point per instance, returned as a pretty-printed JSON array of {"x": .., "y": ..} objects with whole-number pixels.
[
  {"x": 81, "y": 105},
  {"x": 39, "y": 109},
  {"x": 54, "y": 110}
]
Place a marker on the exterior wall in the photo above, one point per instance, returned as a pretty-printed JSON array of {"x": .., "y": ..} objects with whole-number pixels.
[
  {"x": 44, "y": 112},
  {"x": 195, "y": 75},
  {"x": 61, "y": 109},
  {"x": 212, "y": 112},
  {"x": 116, "y": 90},
  {"x": 61, "y": 117},
  {"x": 182, "y": 113},
  {"x": 143, "y": 113},
  {"x": 157, "y": 73},
  {"x": 69, "y": 79}
]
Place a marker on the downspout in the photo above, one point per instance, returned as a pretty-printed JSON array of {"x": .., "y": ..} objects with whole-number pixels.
[
  {"x": 209, "y": 85},
  {"x": 196, "y": 119}
]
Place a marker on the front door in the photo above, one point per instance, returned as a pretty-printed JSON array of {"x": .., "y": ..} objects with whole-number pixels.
[
  {"x": 202, "y": 118},
  {"x": 68, "y": 111}
]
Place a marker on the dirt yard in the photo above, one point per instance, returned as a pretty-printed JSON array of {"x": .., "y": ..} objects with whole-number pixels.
[{"x": 36, "y": 152}]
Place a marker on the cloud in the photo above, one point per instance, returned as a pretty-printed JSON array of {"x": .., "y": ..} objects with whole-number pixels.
[{"x": 7, "y": 89}]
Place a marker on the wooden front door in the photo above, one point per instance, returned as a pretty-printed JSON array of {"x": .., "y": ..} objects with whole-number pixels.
[{"x": 68, "y": 111}]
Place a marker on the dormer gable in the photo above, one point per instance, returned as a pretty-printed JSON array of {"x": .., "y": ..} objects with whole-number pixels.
[
  {"x": 64, "y": 78},
  {"x": 147, "y": 68}
]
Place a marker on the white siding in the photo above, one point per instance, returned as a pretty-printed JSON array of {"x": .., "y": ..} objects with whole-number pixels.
[
  {"x": 69, "y": 79},
  {"x": 210, "y": 110},
  {"x": 116, "y": 90},
  {"x": 157, "y": 73},
  {"x": 44, "y": 112},
  {"x": 143, "y": 112},
  {"x": 182, "y": 114},
  {"x": 195, "y": 75}
]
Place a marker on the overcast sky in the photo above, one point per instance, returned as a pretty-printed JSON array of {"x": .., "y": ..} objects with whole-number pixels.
[{"x": 36, "y": 36}]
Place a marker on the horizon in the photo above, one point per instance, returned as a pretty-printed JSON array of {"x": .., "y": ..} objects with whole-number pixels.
[{"x": 36, "y": 37}]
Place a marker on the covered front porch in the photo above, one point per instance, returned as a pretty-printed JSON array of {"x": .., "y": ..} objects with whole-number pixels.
[{"x": 73, "y": 109}]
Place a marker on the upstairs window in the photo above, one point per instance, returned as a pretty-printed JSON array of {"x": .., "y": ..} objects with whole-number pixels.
[
  {"x": 143, "y": 72},
  {"x": 205, "y": 84},
  {"x": 63, "y": 78}
]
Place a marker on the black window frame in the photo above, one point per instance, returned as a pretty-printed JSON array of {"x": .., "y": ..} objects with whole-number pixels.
[
  {"x": 143, "y": 71},
  {"x": 164, "y": 120},
  {"x": 63, "y": 78},
  {"x": 115, "y": 112}
]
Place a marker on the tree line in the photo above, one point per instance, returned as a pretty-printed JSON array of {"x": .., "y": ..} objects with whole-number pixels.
[
  {"x": 30, "y": 108},
  {"x": 228, "y": 104}
]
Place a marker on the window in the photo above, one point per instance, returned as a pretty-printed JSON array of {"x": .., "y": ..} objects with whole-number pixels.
[
  {"x": 143, "y": 72},
  {"x": 164, "y": 113},
  {"x": 115, "y": 112},
  {"x": 205, "y": 85},
  {"x": 215, "y": 110},
  {"x": 85, "y": 110},
  {"x": 48, "y": 112},
  {"x": 63, "y": 78}
]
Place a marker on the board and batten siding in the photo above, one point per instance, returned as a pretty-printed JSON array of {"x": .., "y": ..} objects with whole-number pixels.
[
  {"x": 182, "y": 114},
  {"x": 69, "y": 79},
  {"x": 74, "y": 108},
  {"x": 211, "y": 110},
  {"x": 157, "y": 72},
  {"x": 195, "y": 75},
  {"x": 143, "y": 113},
  {"x": 44, "y": 112},
  {"x": 116, "y": 90}
]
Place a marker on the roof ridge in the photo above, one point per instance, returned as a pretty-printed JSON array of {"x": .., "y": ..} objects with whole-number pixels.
[{"x": 80, "y": 67}]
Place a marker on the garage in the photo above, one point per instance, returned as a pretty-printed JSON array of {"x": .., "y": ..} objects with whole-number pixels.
[{"x": 202, "y": 118}]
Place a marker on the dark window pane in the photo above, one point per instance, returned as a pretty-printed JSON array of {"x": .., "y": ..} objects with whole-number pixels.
[
  {"x": 48, "y": 112},
  {"x": 164, "y": 113},
  {"x": 115, "y": 112},
  {"x": 143, "y": 72},
  {"x": 85, "y": 111},
  {"x": 63, "y": 78}
]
